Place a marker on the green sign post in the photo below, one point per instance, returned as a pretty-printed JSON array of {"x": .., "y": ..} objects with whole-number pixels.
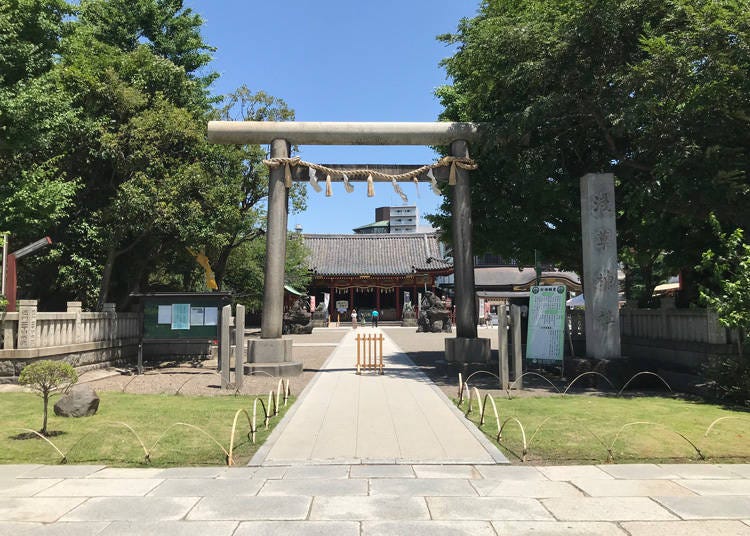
[{"x": 546, "y": 334}]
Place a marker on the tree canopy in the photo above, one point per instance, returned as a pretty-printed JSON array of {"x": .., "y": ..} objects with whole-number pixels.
[
  {"x": 654, "y": 91},
  {"x": 103, "y": 109}
]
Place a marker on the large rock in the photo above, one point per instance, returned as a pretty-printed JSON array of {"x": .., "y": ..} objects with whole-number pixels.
[{"x": 81, "y": 401}]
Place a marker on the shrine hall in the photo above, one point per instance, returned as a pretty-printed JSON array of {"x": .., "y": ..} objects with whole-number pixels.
[{"x": 373, "y": 271}]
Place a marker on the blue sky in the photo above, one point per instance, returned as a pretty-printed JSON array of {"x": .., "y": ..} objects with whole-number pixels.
[{"x": 340, "y": 60}]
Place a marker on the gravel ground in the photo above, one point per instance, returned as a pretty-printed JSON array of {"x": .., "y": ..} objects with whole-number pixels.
[{"x": 206, "y": 381}]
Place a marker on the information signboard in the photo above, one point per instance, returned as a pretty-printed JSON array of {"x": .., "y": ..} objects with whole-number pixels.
[
  {"x": 546, "y": 333},
  {"x": 180, "y": 316}
]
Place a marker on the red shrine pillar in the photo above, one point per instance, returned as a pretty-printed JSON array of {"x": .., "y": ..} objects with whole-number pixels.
[
  {"x": 377, "y": 298},
  {"x": 351, "y": 297}
]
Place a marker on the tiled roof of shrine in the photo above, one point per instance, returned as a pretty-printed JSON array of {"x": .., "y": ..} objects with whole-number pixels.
[{"x": 375, "y": 254}]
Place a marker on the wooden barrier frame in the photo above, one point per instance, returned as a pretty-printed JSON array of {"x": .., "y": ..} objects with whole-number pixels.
[{"x": 370, "y": 353}]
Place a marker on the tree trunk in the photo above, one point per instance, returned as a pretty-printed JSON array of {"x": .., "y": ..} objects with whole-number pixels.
[
  {"x": 43, "y": 431},
  {"x": 106, "y": 277}
]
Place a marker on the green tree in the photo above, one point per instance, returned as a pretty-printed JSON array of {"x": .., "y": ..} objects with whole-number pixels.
[
  {"x": 652, "y": 91},
  {"x": 46, "y": 377},
  {"x": 729, "y": 290},
  {"x": 245, "y": 273},
  {"x": 728, "y": 293}
]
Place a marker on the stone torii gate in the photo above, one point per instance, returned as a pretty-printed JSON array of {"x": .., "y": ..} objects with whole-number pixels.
[{"x": 281, "y": 135}]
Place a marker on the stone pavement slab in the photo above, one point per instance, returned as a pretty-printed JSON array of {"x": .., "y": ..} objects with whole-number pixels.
[
  {"x": 687, "y": 528},
  {"x": 130, "y": 508},
  {"x": 446, "y": 471},
  {"x": 716, "y": 487},
  {"x": 422, "y": 487},
  {"x": 170, "y": 528},
  {"x": 317, "y": 487},
  {"x": 101, "y": 487},
  {"x": 708, "y": 507},
  {"x": 739, "y": 469},
  {"x": 607, "y": 509},
  {"x": 510, "y": 472},
  {"x": 206, "y": 487},
  {"x": 699, "y": 470},
  {"x": 235, "y": 472},
  {"x": 127, "y": 472},
  {"x": 638, "y": 471},
  {"x": 369, "y": 508},
  {"x": 190, "y": 472},
  {"x": 62, "y": 471},
  {"x": 251, "y": 508},
  {"x": 382, "y": 471},
  {"x": 14, "y": 470},
  {"x": 631, "y": 488},
  {"x": 298, "y": 528},
  {"x": 532, "y": 489},
  {"x": 20, "y": 487},
  {"x": 36, "y": 509},
  {"x": 317, "y": 471},
  {"x": 427, "y": 528},
  {"x": 557, "y": 528},
  {"x": 574, "y": 472},
  {"x": 487, "y": 508},
  {"x": 88, "y": 528}
]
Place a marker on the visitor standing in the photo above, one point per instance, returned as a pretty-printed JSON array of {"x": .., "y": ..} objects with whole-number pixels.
[
  {"x": 354, "y": 319},
  {"x": 375, "y": 316}
]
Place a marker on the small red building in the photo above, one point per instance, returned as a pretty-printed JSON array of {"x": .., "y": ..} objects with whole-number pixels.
[{"x": 373, "y": 271}]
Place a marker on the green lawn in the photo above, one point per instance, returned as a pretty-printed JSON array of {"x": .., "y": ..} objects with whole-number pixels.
[
  {"x": 104, "y": 438},
  {"x": 594, "y": 429}
]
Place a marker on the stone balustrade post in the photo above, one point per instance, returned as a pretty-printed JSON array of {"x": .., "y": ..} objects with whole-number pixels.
[
  {"x": 111, "y": 329},
  {"x": 239, "y": 346},
  {"x": 27, "y": 329},
  {"x": 76, "y": 307}
]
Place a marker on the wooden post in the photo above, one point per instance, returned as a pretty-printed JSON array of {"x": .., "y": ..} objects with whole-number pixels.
[
  {"x": 358, "y": 354},
  {"x": 381, "y": 353}
]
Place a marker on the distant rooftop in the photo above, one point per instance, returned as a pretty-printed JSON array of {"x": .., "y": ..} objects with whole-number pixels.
[{"x": 375, "y": 254}]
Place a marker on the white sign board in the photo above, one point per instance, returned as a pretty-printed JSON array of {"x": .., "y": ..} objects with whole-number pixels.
[
  {"x": 546, "y": 334},
  {"x": 342, "y": 305}
]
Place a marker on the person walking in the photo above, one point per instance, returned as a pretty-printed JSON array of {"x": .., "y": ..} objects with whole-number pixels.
[
  {"x": 375, "y": 316},
  {"x": 354, "y": 319}
]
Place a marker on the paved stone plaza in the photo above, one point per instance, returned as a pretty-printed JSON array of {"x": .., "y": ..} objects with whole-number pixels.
[{"x": 376, "y": 455}]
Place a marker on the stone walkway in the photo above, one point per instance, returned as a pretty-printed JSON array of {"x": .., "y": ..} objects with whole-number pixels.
[
  {"x": 325, "y": 472},
  {"x": 399, "y": 417}
]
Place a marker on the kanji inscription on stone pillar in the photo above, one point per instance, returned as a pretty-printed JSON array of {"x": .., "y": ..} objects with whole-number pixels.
[{"x": 600, "y": 284}]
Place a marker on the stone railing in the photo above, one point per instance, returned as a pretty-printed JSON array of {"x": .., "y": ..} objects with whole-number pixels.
[
  {"x": 676, "y": 339},
  {"x": 678, "y": 325},
  {"x": 683, "y": 325},
  {"x": 83, "y": 339}
]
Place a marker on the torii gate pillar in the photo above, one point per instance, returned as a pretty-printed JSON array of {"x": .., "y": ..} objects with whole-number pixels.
[{"x": 466, "y": 346}]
